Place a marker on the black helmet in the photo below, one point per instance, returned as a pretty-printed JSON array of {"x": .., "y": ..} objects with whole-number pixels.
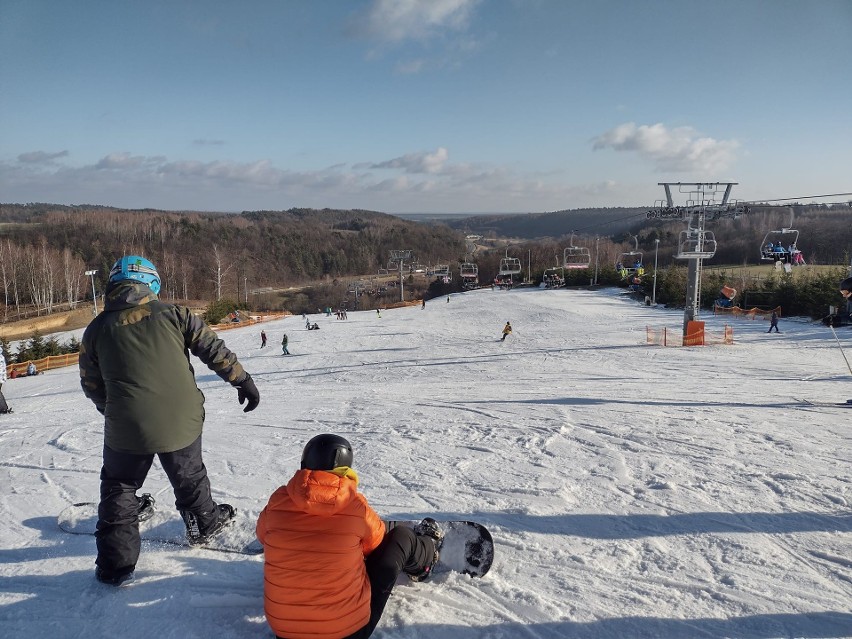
[
  {"x": 325, "y": 452},
  {"x": 846, "y": 285}
]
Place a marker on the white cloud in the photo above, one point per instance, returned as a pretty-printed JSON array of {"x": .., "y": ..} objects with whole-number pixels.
[
  {"x": 420, "y": 181},
  {"x": 41, "y": 157},
  {"x": 422, "y": 162},
  {"x": 400, "y": 20},
  {"x": 680, "y": 149}
]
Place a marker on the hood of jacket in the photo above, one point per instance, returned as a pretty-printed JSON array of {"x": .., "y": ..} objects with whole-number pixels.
[
  {"x": 323, "y": 492},
  {"x": 126, "y": 294}
]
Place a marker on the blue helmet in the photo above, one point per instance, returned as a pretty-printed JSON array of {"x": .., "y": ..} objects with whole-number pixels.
[{"x": 133, "y": 267}]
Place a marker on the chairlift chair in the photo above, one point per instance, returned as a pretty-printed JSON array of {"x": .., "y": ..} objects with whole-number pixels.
[
  {"x": 776, "y": 245},
  {"x": 554, "y": 277},
  {"x": 575, "y": 257},
  {"x": 442, "y": 271},
  {"x": 780, "y": 245},
  {"x": 630, "y": 262},
  {"x": 695, "y": 245},
  {"x": 510, "y": 265}
]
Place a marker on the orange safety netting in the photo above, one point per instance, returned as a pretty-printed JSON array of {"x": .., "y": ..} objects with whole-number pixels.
[
  {"x": 751, "y": 313},
  {"x": 675, "y": 337}
]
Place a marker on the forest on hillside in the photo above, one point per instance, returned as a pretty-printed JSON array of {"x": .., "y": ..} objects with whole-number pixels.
[{"x": 45, "y": 249}]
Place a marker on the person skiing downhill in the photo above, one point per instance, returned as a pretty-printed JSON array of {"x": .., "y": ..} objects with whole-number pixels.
[
  {"x": 262, "y": 338},
  {"x": 134, "y": 366},
  {"x": 329, "y": 563},
  {"x": 284, "y": 341},
  {"x": 507, "y": 330}
]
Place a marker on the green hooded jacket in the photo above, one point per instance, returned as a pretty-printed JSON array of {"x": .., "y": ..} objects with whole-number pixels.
[{"x": 135, "y": 367}]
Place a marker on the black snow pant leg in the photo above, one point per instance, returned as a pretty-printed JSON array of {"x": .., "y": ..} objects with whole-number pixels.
[
  {"x": 400, "y": 551},
  {"x": 188, "y": 476},
  {"x": 117, "y": 530}
]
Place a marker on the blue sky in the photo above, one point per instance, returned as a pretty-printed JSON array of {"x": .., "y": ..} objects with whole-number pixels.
[{"x": 421, "y": 105}]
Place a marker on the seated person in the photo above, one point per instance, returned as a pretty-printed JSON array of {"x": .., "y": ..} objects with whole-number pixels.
[
  {"x": 330, "y": 564},
  {"x": 31, "y": 369}
]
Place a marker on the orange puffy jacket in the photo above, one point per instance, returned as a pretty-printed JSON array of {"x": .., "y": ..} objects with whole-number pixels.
[{"x": 315, "y": 532}]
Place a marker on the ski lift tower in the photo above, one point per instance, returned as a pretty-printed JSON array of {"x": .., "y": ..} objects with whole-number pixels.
[
  {"x": 357, "y": 288},
  {"x": 706, "y": 201},
  {"x": 400, "y": 259}
]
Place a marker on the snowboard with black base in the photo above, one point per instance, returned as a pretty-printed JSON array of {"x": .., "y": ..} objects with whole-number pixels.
[
  {"x": 807, "y": 402},
  {"x": 235, "y": 535},
  {"x": 466, "y": 546}
]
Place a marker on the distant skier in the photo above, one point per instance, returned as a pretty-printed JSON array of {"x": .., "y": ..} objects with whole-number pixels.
[
  {"x": 507, "y": 330},
  {"x": 4, "y": 407},
  {"x": 773, "y": 322},
  {"x": 284, "y": 341},
  {"x": 329, "y": 564},
  {"x": 134, "y": 366},
  {"x": 262, "y": 338},
  {"x": 423, "y": 305},
  {"x": 379, "y": 313}
]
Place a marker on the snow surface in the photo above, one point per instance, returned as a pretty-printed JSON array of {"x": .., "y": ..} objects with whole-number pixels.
[{"x": 632, "y": 490}]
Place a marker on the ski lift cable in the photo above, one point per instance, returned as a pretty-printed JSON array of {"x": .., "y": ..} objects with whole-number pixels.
[
  {"x": 753, "y": 202},
  {"x": 790, "y": 199}
]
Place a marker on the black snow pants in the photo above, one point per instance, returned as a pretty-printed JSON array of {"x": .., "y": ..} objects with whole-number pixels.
[
  {"x": 400, "y": 551},
  {"x": 122, "y": 475},
  {"x": 4, "y": 407}
]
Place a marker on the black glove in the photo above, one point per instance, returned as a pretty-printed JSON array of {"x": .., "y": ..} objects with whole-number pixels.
[{"x": 246, "y": 390}]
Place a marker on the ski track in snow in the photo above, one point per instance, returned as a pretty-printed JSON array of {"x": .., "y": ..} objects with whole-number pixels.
[{"x": 632, "y": 490}]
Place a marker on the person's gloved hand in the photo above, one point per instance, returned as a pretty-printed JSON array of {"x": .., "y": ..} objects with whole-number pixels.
[{"x": 246, "y": 390}]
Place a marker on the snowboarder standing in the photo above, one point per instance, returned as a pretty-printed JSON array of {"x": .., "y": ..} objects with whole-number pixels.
[
  {"x": 262, "y": 338},
  {"x": 329, "y": 563},
  {"x": 284, "y": 341},
  {"x": 773, "y": 322},
  {"x": 507, "y": 330},
  {"x": 134, "y": 366}
]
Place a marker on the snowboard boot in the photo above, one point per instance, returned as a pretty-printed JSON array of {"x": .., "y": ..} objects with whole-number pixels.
[
  {"x": 428, "y": 528},
  {"x": 113, "y": 578},
  {"x": 146, "y": 506},
  {"x": 225, "y": 514}
]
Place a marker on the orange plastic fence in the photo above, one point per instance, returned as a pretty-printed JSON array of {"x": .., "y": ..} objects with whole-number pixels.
[
  {"x": 43, "y": 364},
  {"x": 751, "y": 313},
  {"x": 674, "y": 337}
]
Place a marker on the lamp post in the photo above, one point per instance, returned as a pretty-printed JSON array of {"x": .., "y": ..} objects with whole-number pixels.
[
  {"x": 597, "y": 240},
  {"x": 94, "y": 297},
  {"x": 656, "y": 249}
]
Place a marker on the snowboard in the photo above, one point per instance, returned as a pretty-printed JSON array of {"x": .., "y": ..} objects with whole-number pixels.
[
  {"x": 468, "y": 547},
  {"x": 168, "y": 528},
  {"x": 808, "y": 402}
]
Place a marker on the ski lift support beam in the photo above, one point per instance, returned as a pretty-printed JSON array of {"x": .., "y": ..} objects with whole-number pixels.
[
  {"x": 702, "y": 205},
  {"x": 401, "y": 257}
]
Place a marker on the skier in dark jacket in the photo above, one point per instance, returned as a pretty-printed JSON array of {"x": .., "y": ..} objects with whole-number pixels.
[
  {"x": 134, "y": 366},
  {"x": 773, "y": 322}
]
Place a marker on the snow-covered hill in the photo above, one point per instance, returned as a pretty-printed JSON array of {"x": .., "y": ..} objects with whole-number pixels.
[{"x": 633, "y": 490}]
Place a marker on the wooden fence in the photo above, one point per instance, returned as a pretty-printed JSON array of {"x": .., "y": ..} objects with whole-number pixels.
[{"x": 19, "y": 369}]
